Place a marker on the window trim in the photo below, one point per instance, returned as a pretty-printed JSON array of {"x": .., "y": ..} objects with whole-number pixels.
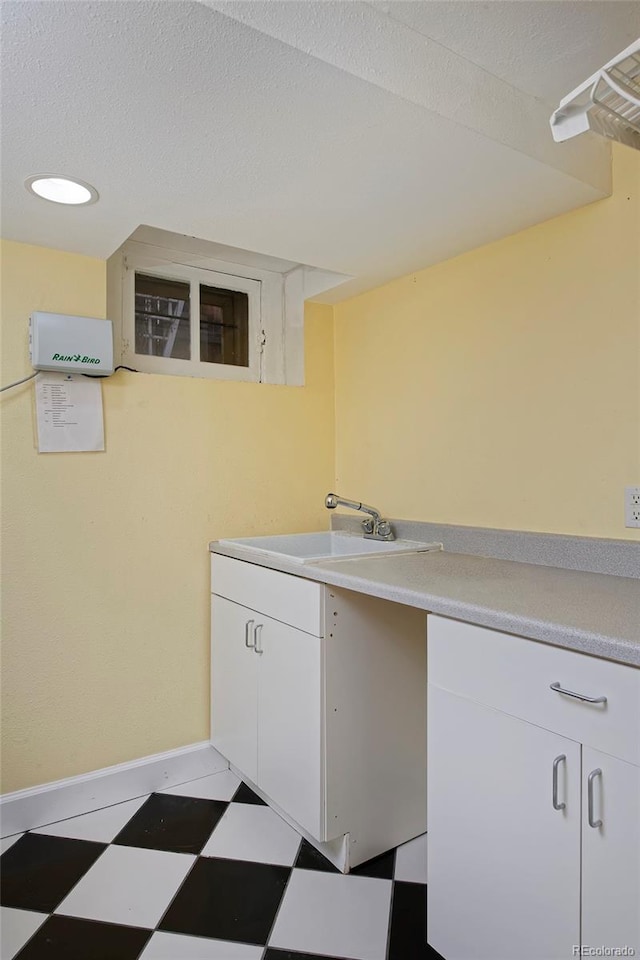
[
  {"x": 196, "y": 276},
  {"x": 285, "y": 287}
]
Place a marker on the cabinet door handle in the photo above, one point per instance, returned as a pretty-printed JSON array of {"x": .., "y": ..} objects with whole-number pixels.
[
  {"x": 577, "y": 696},
  {"x": 554, "y": 799},
  {"x": 247, "y": 627},
  {"x": 594, "y": 773},
  {"x": 256, "y": 637}
]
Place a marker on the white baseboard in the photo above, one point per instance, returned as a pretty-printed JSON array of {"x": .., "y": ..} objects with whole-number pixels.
[{"x": 37, "y": 806}]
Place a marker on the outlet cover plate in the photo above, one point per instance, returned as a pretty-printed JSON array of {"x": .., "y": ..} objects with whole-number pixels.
[{"x": 632, "y": 506}]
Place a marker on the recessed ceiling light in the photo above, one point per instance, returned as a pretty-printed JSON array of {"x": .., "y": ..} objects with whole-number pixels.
[{"x": 50, "y": 186}]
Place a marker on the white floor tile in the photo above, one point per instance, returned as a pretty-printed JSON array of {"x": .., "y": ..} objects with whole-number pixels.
[
  {"x": 7, "y": 842},
  {"x": 101, "y": 825},
  {"x": 247, "y": 831},
  {"x": 332, "y": 914},
  {"x": 16, "y": 927},
  {"x": 128, "y": 885},
  {"x": 219, "y": 786},
  {"x": 170, "y": 946},
  {"x": 411, "y": 861}
]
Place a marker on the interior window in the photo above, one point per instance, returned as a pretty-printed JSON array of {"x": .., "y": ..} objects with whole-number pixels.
[
  {"x": 162, "y": 317},
  {"x": 224, "y": 326}
]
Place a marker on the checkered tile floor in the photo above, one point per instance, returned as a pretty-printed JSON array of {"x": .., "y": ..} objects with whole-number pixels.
[{"x": 203, "y": 871}]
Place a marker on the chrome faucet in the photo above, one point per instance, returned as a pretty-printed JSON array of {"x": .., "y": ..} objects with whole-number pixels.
[{"x": 375, "y": 527}]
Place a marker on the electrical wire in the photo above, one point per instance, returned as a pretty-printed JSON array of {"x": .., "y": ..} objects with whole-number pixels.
[
  {"x": 17, "y": 383},
  {"x": 104, "y": 376}
]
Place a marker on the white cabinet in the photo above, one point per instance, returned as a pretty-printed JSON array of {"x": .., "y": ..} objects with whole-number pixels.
[
  {"x": 289, "y": 743},
  {"x": 534, "y": 835},
  {"x": 504, "y": 865},
  {"x": 234, "y": 705},
  {"x": 318, "y": 698},
  {"x": 610, "y": 851},
  {"x": 265, "y": 674}
]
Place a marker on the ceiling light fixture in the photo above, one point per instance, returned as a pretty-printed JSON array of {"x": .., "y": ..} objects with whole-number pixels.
[{"x": 58, "y": 189}]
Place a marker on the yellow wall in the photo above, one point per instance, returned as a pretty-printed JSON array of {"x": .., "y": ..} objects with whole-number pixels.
[
  {"x": 502, "y": 388},
  {"x": 105, "y": 564}
]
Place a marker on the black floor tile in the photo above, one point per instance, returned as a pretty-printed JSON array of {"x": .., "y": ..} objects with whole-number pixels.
[
  {"x": 380, "y": 867},
  {"x": 311, "y": 859},
  {"x": 176, "y": 824},
  {"x": 272, "y": 954},
  {"x": 408, "y": 937},
  {"x": 38, "y": 871},
  {"x": 431, "y": 953},
  {"x": 228, "y": 900},
  {"x": 245, "y": 794},
  {"x": 66, "y": 938}
]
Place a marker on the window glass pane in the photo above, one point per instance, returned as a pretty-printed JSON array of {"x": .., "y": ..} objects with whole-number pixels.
[
  {"x": 224, "y": 326},
  {"x": 162, "y": 317}
]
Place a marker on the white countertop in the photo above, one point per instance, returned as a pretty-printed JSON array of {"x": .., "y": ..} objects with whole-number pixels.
[{"x": 594, "y": 613}]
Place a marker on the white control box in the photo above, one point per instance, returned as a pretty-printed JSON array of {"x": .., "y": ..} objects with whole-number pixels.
[{"x": 70, "y": 344}]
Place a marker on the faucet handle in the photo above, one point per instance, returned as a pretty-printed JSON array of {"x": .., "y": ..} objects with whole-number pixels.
[
  {"x": 374, "y": 526},
  {"x": 379, "y": 530}
]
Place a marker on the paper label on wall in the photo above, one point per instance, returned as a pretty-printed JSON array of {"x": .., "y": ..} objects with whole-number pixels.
[{"x": 69, "y": 413}]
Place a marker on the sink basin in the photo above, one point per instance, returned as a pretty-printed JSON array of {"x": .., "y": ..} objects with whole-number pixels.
[{"x": 328, "y": 545}]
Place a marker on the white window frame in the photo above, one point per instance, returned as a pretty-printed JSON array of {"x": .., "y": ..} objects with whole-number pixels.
[
  {"x": 277, "y": 321},
  {"x": 194, "y": 276}
]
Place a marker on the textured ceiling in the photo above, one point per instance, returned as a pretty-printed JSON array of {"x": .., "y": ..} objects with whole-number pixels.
[
  {"x": 543, "y": 47},
  {"x": 325, "y": 133}
]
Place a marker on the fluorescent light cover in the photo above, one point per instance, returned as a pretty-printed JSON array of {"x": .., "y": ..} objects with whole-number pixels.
[{"x": 59, "y": 189}]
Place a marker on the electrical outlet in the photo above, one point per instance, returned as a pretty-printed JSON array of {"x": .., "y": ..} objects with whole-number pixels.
[{"x": 632, "y": 506}]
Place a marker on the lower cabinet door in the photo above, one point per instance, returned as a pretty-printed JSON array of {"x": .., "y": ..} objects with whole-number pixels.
[
  {"x": 503, "y": 862},
  {"x": 610, "y": 853},
  {"x": 289, "y": 716},
  {"x": 234, "y": 690}
]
